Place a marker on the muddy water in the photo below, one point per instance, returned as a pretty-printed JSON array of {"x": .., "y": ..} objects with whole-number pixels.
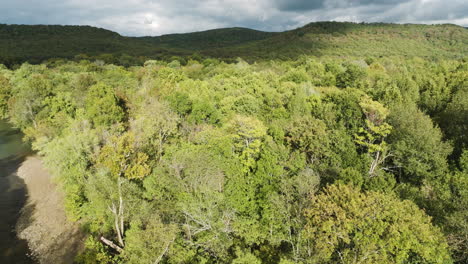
[{"x": 12, "y": 196}]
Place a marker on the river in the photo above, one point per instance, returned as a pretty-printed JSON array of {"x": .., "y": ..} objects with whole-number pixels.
[{"x": 13, "y": 196}]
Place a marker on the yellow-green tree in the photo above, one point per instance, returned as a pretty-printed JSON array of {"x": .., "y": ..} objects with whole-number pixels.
[
  {"x": 372, "y": 137},
  {"x": 345, "y": 225},
  {"x": 124, "y": 162},
  {"x": 102, "y": 105}
]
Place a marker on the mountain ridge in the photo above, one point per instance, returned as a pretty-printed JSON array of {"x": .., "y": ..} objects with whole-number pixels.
[{"x": 35, "y": 43}]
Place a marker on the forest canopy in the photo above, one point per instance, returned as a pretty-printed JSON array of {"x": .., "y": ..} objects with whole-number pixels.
[
  {"x": 284, "y": 159},
  {"x": 316, "y": 160}
]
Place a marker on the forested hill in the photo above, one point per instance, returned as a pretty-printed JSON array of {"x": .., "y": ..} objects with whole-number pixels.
[
  {"x": 35, "y": 43},
  {"x": 351, "y": 39},
  {"x": 216, "y": 38}
]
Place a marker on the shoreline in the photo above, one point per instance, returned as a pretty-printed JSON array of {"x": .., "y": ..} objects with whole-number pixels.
[{"x": 51, "y": 237}]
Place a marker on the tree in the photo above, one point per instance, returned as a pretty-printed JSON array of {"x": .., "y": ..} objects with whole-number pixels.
[
  {"x": 434, "y": 93},
  {"x": 27, "y": 99},
  {"x": 199, "y": 178},
  {"x": 247, "y": 135},
  {"x": 102, "y": 106},
  {"x": 180, "y": 102},
  {"x": 153, "y": 125},
  {"x": 204, "y": 111},
  {"x": 373, "y": 135},
  {"x": 416, "y": 145},
  {"x": 347, "y": 226},
  {"x": 456, "y": 225},
  {"x": 149, "y": 242},
  {"x": 453, "y": 120},
  {"x": 124, "y": 163},
  {"x": 5, "y": 93},
  {"x": 308, "y": 135},
  {"x": 245, "y": 258},
  {"x": 350, "y": 76},
  {"x": 70, "y": 158}
]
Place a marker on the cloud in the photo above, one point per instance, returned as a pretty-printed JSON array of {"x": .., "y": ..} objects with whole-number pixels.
[
  {"x": 303, "y": 5},
  {"x": 156, "y": 17},
  {"x": 299, "y": 5}
]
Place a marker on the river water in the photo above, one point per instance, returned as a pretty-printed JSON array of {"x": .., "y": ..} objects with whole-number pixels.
[{"x": 12, "y": 196}]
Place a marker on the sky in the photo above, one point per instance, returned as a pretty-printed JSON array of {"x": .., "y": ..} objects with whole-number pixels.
[{"x": 158, "y": 17}]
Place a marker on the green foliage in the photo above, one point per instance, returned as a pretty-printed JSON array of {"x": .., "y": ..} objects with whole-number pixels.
[
  {"x": 456, "y": 225},
  {"x": 350, "y": 76},
  {"x": 69, "y": 157},
  {"x": 180, "y": 102},
  {"x": 29, "y": 97},
  {"x": 247, "y": 134},
  {"x": 246, "y": 258},
  {"x": 21, "y": 43},
  {"x": 149, "y": 242},
  {"x": 95, "y": 253},
  {"x": 417, "y": 145},
  {"x": 121, "y": 158},
  {"x": 308, "y": 135},
  {"x": 102, "y": 106},
  {"x": 345, "y": 225},
  {"x": 211, "y": 162},
  {"x": 153, "y": 125},
  {"x": 5, "y": 91},
  {"x": 204, "y": 111},
  {"x": 453, "y": 120}
]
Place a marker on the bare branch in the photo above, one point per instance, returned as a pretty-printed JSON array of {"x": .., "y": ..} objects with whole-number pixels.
[{"x": 111, "y": 244}]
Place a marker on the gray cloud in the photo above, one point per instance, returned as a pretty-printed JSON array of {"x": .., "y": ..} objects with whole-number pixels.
[
  {"x": 156, "y": 17},
  {"x": 299, "y": 5},
  {"x": 304, "y": 5}
]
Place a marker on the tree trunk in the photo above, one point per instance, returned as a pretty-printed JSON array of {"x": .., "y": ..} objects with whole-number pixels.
[
  {"x": 120, "y": 216},
  {"x": 164, "y": 252},
  {"x": 374, "y": 164},
  {"x": 111, "y": 244},
  {"x": 116, "y": 223}
]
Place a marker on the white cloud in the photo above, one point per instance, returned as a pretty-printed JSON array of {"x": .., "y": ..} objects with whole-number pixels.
[{"x": 156, "y": 17}]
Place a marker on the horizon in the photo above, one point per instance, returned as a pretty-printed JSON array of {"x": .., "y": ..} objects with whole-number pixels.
[
  {"x": 241, "y": 27},
  {"x": 150, "y": 18}
]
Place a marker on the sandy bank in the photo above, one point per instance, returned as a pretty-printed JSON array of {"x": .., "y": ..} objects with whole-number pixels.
[{"x": 43, "y": 223}]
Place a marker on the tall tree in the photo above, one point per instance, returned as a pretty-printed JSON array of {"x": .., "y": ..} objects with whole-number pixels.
[{"x": 347, "y": 226}]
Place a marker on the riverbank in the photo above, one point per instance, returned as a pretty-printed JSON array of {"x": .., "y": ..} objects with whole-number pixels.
[{"x": 43, "y": 223}]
